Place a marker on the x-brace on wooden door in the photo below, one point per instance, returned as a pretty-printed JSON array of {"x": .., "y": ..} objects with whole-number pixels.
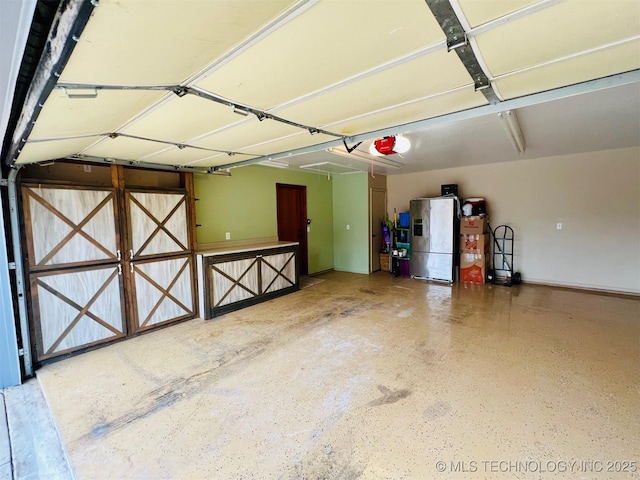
[
  {"x": 75, "y": 269},
  {"x": 160, "y": 259},
  {"x": 105, "y": 263}
]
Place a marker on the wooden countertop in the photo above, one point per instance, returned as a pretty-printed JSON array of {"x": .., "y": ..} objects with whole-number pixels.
[{"x": 243, "y": 248}]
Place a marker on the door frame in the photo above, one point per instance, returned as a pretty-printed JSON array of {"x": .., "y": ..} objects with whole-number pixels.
[
  {"x": 302, "y": 223},
  {"x": 372, "y": 247}
]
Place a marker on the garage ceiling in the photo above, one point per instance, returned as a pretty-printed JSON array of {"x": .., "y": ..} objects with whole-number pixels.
[{"x": 214, "y": 84}]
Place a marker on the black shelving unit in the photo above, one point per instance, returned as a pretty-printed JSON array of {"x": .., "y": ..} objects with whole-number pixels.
[{"x": 401, "y": 240}]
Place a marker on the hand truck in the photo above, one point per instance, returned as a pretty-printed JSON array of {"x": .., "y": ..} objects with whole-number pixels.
[{"x": 501, "y": 272}]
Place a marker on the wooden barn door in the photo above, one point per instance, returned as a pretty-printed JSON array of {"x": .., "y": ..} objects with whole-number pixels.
[
  {"x": 107, "y": 262},
  {"x": 75, "y": 268},
  {"x": 160, "y": 259}
]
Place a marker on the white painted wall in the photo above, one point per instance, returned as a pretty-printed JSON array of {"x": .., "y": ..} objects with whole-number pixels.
[{"x": 596, "y": 196}]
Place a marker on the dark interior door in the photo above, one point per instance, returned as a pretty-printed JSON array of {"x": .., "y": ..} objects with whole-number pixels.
[{"x": 292, "y": 218}]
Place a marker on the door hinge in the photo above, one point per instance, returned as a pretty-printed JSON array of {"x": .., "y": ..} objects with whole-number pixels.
[
  {"x": 4, "y": 182},
  {"x": 11, "y": 265},
  {"x": 21, "y": 352}
]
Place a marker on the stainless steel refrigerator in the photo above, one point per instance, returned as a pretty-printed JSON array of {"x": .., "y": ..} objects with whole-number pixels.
[{"x": 434, "y": 238}]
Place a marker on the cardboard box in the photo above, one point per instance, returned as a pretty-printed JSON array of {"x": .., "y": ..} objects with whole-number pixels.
[
  {"x": 478, "y": 243},
  {"x": 384, "y": 262},
  {"x": 474, "y": 225},
  {"x": 474, "y": 267}
]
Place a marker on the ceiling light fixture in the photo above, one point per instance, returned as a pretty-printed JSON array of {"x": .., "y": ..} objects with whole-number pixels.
[
  {"x": 364, "y": 157},
  {"x": 390, "y": 145},
  {"x": 512, "y": 127},
  {"x": 272, "y": 163},
  {"x": 330, "y": 168}
]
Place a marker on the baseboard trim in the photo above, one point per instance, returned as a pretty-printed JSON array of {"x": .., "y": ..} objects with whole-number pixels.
[
  {"x": 328, "y": 270},
  {"x": 581, "y": 288},
  {"x": 351, "y": 271}
]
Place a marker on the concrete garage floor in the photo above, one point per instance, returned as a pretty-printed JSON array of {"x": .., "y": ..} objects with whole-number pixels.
[
  {"x": 366, "y": 377},
  {"x": 30, "y": 446}
]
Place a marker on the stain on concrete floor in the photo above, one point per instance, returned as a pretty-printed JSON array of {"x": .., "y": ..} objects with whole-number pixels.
[
  {"x": 389, "y": 396},
  {"x": 331, "y": 382}
]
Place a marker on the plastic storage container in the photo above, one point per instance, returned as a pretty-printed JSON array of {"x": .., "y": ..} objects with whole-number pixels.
[
  {"x": 405, "y": 269},
  {"x": 404, "y": 220}
]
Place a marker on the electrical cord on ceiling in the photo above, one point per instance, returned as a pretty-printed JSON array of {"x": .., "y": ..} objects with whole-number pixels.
[{"x": 348, "y": 148}]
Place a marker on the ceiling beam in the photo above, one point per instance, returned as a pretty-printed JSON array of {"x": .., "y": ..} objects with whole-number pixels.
[
  {"x": 631, "y": 77},
  {"x": 457, "y": 40},
  {"x": 365, "y": 157},
  {"x": 133, "y": 163},
  {"x": 181, "y": 91}
]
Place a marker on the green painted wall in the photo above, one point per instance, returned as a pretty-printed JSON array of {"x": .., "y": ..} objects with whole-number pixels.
[
  {"x": 245, "y": 205},
  {"x": 351, "y": 207}
]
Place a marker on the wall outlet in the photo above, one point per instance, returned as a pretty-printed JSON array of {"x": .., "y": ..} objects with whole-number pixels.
[
  {"x": 87, "y": 168},
  {"x": 227, "y": 235},
  {"x": 348, "y": 227},
  {"x": 558, "y": 226}
]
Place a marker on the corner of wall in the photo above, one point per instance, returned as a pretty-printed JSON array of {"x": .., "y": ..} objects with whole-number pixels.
[
  {"x": 534, "y": 195},
  {"x": 351, "y": 223}
]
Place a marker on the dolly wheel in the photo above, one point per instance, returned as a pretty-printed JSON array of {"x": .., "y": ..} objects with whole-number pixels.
[
  {"x": 490, "y": 275},
  {"x": 517, "y": 279}
]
